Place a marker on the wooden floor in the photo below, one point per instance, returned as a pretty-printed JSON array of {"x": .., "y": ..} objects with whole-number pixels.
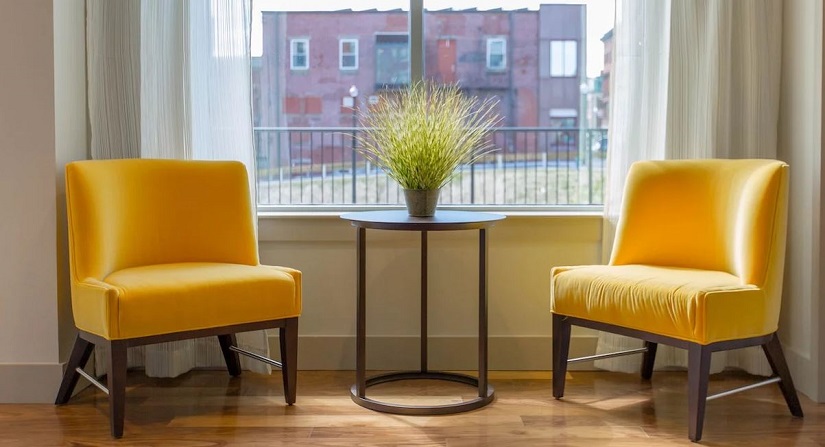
[{"x": 208, "y": 408}]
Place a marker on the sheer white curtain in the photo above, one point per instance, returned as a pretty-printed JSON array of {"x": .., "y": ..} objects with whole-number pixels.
[
  {"x": 691, "y": 79},
  {"x": 171, "y": 79}
]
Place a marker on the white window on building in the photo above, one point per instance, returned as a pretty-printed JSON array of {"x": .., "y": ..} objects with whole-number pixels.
[
  {"x": 496, "y": 53},
  {"x": 348, "y": 54},
  {"x": 299, "y": 54},
  {"x": 563, "y": 58}
]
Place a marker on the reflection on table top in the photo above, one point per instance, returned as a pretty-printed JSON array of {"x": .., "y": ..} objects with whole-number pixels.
[{"x": 442, "y": 221}]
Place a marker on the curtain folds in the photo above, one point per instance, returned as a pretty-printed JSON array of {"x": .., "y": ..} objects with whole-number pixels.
[
  {"x": 171, "y": 79},
  {"x": 691, "y": 79}
]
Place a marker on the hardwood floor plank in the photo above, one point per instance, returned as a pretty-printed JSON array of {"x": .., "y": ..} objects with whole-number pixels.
[{"x": 208, "y": 408}]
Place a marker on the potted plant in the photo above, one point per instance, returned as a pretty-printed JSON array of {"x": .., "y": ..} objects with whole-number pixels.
[{"x": 420, "y": 135}]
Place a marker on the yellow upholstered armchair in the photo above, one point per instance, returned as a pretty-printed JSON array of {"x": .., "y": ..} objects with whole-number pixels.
[
  {"x": 163, "y": 250},
  {"x": 697, "y": 263}
]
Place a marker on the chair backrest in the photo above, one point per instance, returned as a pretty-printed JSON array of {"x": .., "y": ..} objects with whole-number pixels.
[
  {"x": 136, "y": 212},
  {"x": 724, "y": 215}
]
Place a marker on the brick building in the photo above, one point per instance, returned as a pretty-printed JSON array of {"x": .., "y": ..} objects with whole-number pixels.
[{"x": 531, "y": 61}]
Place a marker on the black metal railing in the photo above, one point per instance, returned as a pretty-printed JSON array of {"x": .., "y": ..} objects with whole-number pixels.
[{"x": 531, "y": 166}]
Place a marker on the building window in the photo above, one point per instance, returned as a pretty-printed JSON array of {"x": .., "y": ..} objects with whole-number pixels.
[
  {"x": 299, "y": 54},
  {"x": 496, "y": 53},
  {"x": 392, "y": 60},
  {"x": 348, "y": 54},
  {"x": 563, "y": 58}
]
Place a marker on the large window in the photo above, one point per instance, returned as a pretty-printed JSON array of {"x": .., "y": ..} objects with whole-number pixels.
[
  {"x": 564, "y": 58},
  {"x": 392, "y": 60},
  {"x": 528, "y": 57},
  {"x": 299, "y": 54},
  {"x": 348, "y": 54}
]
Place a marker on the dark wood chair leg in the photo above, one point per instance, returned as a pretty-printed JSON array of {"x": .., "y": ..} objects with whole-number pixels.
[
  {"x": 561, "y": 349},
  {"x": 289, "y": 358},
  {"x": 80, "y": 355},
  {"x": 648, "y": 360},
  {"x": 117, "y": 386},
  {"x": 233, "y": 360},
  {"x": 698, "y": 376},
  {"x": 776, "y": 358}
]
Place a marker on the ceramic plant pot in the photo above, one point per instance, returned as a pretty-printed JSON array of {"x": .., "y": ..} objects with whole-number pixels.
[{"x": 421, "y": 202}]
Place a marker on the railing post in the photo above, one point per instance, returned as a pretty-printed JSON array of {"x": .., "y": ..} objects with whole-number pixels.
[
  {"x": 280, "y": 167},
  {"x": 472, "y": 183},
  {"x": 590, "y": 168},
  {"x": 354, "y": 197}
]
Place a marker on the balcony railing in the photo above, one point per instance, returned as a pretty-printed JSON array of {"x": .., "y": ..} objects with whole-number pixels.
[{"x": 532, "y": 166}]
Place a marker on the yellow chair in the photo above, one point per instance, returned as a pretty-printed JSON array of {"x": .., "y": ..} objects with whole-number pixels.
[
  {"x": 164, "y": 250},
  {"x": 697, "y": 263}
]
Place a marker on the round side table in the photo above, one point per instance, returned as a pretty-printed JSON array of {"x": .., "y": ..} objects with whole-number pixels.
[{"x": 399, "y": 220}]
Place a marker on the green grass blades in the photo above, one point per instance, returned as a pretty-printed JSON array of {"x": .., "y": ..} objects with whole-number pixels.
[{"x": 421, "y": 134}]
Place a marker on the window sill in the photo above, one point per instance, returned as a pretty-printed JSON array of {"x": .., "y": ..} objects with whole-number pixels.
[{"x": 326, "y": 227}]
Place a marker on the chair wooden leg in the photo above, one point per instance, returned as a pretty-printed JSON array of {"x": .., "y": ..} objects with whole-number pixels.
[
  {"x": 698, "y": 375},
  {"x": 289, "y": 358},
  {"x": 776, "y": 358},
  {"x": 116, "y": 378},
  {"x": 233, "y": 360},
  {"x": 648, "y": 360},
  {"x": 561, "y": 349},
  {"x": 80, "y": 355}
]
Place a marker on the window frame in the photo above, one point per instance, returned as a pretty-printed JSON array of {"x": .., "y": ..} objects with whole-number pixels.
[
  {"x": 490, "y": 42},
  {"x": 292, "y": 50},
  {"x": 355, "y": 53},
  {"x": 415, "y": 45}
]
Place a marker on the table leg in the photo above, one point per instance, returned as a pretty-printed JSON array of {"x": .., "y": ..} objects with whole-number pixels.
[
  {"x": 361, "y": 318},
  {"x": 423, "y": 301},
  {"x": 482, "y": 312}
]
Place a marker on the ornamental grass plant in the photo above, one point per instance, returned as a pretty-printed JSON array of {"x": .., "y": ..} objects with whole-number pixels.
[{"x": 420, "y": 135}]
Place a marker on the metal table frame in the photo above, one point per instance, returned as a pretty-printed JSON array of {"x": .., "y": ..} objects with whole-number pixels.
[{"x": 443, "y": 221}]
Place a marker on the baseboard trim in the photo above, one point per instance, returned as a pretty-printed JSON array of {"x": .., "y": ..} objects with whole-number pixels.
[
  {"x": 38, "y": 383},
  {"x": 317, "y": 352},
  {"x": 30, "y": 383}
]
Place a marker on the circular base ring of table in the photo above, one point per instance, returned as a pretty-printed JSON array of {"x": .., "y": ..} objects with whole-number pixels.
[{"x": 423, "y": 410}]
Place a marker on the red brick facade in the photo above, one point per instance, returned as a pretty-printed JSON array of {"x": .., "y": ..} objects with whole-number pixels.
[{"x": 456, "y": 50}]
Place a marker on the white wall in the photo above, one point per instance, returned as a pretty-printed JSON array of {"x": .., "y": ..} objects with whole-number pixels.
[
  {"x": 800, "y": 144},
  {"x": 28, "y": 316},
  {"x": 70, "y": 120},
  {"x": 42, "y": 123},
  {"x": 818, "y": 309}
]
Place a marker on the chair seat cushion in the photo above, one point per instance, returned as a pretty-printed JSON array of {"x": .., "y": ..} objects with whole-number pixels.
[
  {"x": 695, "y": 305},
  {"x": 162, "y": 299}
]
